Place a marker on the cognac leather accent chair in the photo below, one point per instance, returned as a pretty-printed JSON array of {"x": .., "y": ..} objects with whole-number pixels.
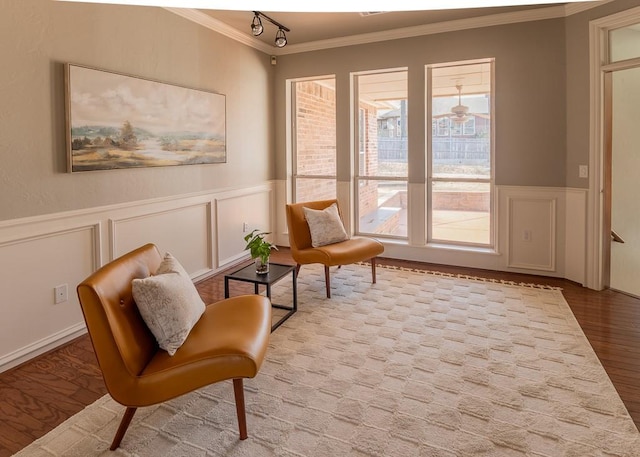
[
  {"x": 229, "y": 341},
  {"x": 353, "y": 250}
]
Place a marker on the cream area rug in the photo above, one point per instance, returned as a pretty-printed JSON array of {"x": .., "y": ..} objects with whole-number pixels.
[{"x": 417, "y": 365}]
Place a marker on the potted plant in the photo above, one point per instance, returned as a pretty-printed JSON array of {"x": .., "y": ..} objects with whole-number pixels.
[{"x": 260, "y": 249}]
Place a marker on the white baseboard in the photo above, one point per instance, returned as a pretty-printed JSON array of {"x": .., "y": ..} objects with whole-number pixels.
[{"x": 41, "y": 346}]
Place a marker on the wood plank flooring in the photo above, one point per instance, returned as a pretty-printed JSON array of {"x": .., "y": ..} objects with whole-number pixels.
[{"x": 40, "y": 394}]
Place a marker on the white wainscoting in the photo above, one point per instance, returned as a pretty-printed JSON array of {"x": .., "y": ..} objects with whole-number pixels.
[
  {"x": 282, "y": 195},
  {"x": 532, "y": 232},
  {"x": 555, "y": 219},
  {"x": 30, "y": 268},
  {"x": 575, "y": 241},
  {"x": 185, "y": 228},
  {"x": 239, "y": 214},
  {"x": 204, "y": 231}
]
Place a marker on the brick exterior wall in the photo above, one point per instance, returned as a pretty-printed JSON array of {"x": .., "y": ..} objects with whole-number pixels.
[
  {"x": 461, "y": 201},
  {"x": 368, "y": 190},
  {"x": 316, "y": 146},
  {"x": 315, "y": 139}
]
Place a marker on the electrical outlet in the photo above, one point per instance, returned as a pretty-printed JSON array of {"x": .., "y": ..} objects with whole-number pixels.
[
  {"x": 526, "y": 235},
  {"x": 245, "y": 227},
  {"x": 60, "y": 294}
]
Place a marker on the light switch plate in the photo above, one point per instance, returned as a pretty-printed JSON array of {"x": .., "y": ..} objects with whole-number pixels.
[{"x": 583, "y": 171}]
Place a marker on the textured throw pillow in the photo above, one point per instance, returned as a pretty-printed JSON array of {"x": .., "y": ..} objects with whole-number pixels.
[
  {"x": 325, "y": 226},
  {"x": 168, "y": 303}
]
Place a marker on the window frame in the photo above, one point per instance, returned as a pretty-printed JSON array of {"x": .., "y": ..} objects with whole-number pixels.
[
  {"x": 360, "y": 179},
  {"x": 430, "y": 179}
]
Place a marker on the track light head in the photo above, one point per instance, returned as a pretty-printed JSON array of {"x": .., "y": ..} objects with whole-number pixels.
[
  {"x": 257, "y": 28},
  {"x": 256, "y": 25},
  {"x": 281, "y": 38}
]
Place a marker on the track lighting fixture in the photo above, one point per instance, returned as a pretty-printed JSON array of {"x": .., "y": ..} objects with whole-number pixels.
[
  {"x": 281, "y": 38},
  {"x": 256, "y": 25},
  {"x": 257, "y": 28}
]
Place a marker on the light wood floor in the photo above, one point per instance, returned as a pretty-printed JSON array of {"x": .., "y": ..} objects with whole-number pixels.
[{"x": 40, "y": 394}]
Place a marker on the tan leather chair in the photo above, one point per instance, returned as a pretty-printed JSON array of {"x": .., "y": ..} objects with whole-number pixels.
[
  {"x": 353, "y": 250},
  {"x": 228, "y": 342}
]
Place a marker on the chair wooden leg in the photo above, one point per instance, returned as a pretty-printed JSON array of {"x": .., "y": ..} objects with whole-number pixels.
[
  {"x": 122, "y": 428},
  {"x": 327, "y": 281},
  {"x": 297, "y": 269},
  {"x": 238, "y": 390},
  {"x": 373, "y": 270}
]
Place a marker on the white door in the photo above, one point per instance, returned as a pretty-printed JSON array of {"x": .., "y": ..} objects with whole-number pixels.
[{"x": 625, "y": 181}]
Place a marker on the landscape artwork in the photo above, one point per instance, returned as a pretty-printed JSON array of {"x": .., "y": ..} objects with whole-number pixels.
[{"x": 118, "y": 121}]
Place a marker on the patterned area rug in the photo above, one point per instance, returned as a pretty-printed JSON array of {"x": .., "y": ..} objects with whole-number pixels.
[{"x": 416, "y": 365}]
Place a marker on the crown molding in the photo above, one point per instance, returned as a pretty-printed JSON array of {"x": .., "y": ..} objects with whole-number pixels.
[
  {"x": 538, "y": 14},
  {"x": 428, "y": 29},
  {"x": 579, "y": 7},
  {"x": 218, "y": 26}
]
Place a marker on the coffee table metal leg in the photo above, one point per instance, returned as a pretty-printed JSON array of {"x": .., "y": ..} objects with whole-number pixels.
[
  {"x": 295, "y": 291},
  {"x": 290, "y": 309}
]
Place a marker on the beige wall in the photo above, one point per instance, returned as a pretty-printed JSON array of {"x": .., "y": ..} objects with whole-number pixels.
[
  {"x": 530, "y": 93},
  {"x": 38, "y": 36}
]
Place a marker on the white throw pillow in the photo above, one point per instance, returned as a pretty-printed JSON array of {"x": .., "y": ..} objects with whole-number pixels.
[
  {"x": 169, "y": 303},
  {"x": 325, "y": 226}
]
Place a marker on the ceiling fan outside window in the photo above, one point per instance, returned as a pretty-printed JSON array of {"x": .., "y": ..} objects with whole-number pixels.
[{"x": 459, "y": 112}]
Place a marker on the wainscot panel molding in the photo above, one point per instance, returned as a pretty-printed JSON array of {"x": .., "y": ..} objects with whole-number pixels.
[
  {"x": 239, "y": 214},
  {"x": 30, "y": 268},
  {"x": 190, "y": 226},
  {"x": 532, "y": 233},
  {"x": 40, "y": 253},
  {"x": 533, "y": 229}
]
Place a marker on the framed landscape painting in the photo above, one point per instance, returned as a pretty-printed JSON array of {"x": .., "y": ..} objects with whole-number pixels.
[{"x": 119, "y": 121}]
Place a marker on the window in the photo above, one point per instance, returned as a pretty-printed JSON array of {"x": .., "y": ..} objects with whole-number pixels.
[
  {"x": 362, "y": 140},
  {"x": 469, "y": 127},
  {"x": 381, "y": 182},
  {"x": 313, "y": 109},
  {"x": 460, "y": 154},
  {"x": 443, "y": 127},
  {"x": 624, "y": 43}
]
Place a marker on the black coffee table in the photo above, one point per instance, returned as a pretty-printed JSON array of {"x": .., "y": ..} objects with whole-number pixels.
[{"x": 276, "y": 273}]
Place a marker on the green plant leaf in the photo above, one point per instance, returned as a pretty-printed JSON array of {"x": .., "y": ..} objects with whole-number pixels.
[{"x": 258, "y": 246}]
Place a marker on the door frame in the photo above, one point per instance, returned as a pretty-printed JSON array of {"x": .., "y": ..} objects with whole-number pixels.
[{"x": 598, "y": 230}]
